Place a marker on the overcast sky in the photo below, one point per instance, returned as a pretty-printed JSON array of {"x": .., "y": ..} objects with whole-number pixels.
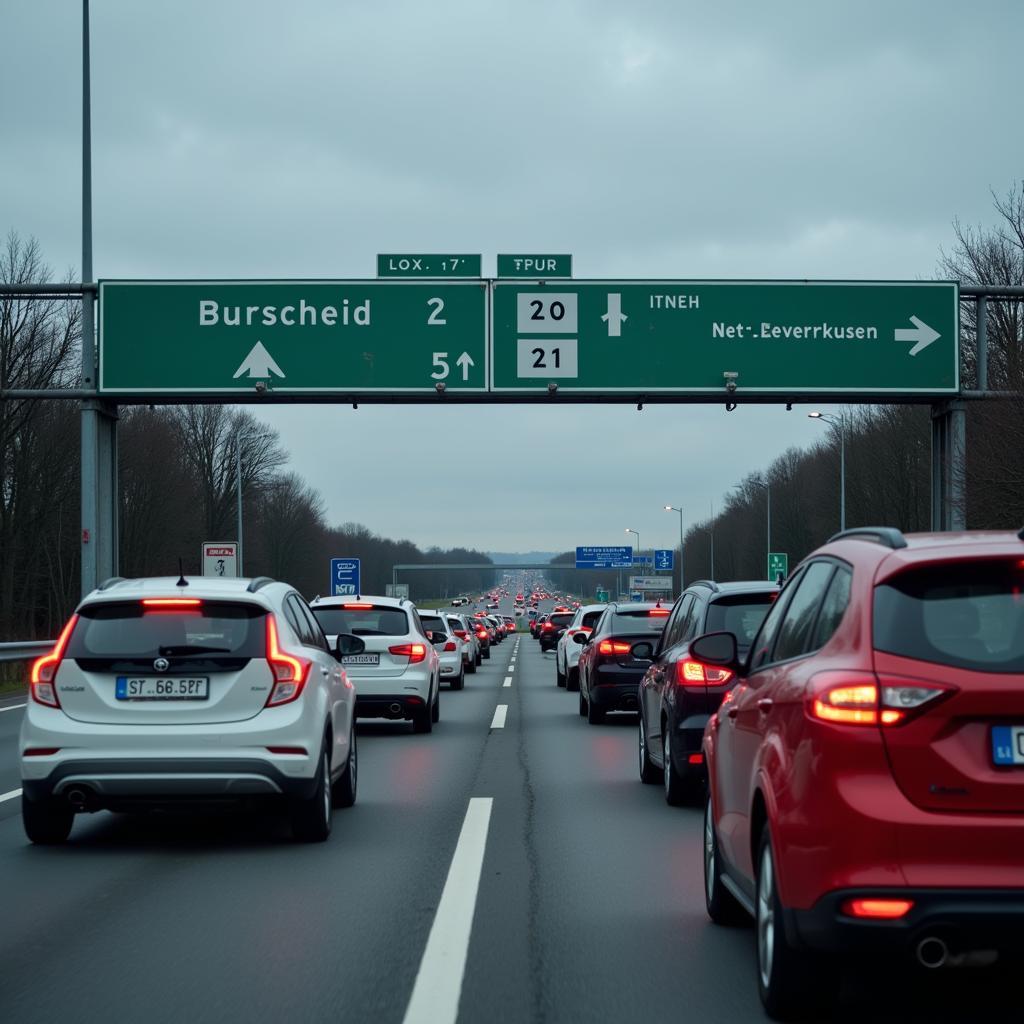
[{"x": 650, "y": 138}]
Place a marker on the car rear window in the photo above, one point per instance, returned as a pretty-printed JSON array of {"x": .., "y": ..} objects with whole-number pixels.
[
  {"x": 369, "y": 620},
  {"x": 434, "y": 623},
  {"x": 590, "y": 619},
  {"x": 966, "y": 615},
  {"x": 639, "y": 621},
  {"x": 741, "y": 615},
  {"x": 562, "y": 618},
  {"x": 129, "y": 630}
]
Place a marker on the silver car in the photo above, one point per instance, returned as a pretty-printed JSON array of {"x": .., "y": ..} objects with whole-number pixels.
[{"x": 447, "y": 645}]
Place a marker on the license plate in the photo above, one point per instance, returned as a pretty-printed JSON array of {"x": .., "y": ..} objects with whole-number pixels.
[
  {"x": 361, "y": 659},
  {"x": 162, "y": 688},
  {"x": 1008, "y": 744}
]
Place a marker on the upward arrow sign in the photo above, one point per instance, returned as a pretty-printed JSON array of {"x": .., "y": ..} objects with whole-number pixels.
[
  {"x": 614, "y": 317},
  {"x": 465, "y": 361},
  {"x": 258, "y": 363}
]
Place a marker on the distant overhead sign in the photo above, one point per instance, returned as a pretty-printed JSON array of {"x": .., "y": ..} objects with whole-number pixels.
[
  {"x": 220, "y": 558},
  {"x": 291, "y": 337},
  {"x": 345, "y": 577},
  {"x": 650, "y": 583},
  {"x": 390, "y": 264},
  {"x": 618, "y": 557},
  {"x": 530, "y": 266},
  {"x": 731, "y": 337}
]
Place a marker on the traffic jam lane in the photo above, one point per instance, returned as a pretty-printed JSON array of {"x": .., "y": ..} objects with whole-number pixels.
[{"x": 11, "y": 711}]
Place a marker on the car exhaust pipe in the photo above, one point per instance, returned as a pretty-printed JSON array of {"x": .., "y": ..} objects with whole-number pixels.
[
  {"x": 79, "y": 798},
  {"x": 932, "y": 953},
  {"x": 395, "y": 709}
]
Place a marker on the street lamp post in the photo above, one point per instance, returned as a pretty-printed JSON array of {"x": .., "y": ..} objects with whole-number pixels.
[
  {"x": 637, "y": 552},
  {"x": 840, "y": 423},
  {"x": 682, "y": 578}
]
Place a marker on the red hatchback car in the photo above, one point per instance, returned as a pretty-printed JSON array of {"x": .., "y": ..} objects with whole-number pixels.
[{"x": 866, "y": 773}]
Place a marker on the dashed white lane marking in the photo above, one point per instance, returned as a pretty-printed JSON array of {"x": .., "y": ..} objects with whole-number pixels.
[
  {"x": 13, "y": 707},
  {"x": 9, "y": 796},
  {"x": 498, "y": 722},
  {"x": 435, "y": 995},
  {"x": 508, "y": 681}
]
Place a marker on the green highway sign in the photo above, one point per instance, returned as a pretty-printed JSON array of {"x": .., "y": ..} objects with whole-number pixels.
[
  {"x": 778, "y": 562},
  {"x": 291, "y": 337},
  {"x": 531, "y": 266},
  {"x": 727, "y": 337},
  {"x": 391, "y": 264}
]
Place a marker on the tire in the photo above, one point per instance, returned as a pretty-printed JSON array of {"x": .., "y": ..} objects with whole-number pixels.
[
  {"x": 46, "y": 822},
  {"x": 649, "y": 771},
  {"x": 479, "y": 658},
  {"x": 678, "y": 791},
  {"x": 572, "y": 680},
  {"x": 423, "y": 720},
  {"x": 343, "y": 793},
  {"x": 793, "y": 984},
  {"x": 471, "y": 666},
  {"x": 583, "y": 705},
  {"x": 595, "y": 716},
  {"x": 458, "y": 684},
  {"x": 435, "y": 708},
  {"x": 311, "y": 818},
  {"x": 559, "y": 674},
  {"x": 487, "y": 654},
  {"x": 720, "y": 904}
]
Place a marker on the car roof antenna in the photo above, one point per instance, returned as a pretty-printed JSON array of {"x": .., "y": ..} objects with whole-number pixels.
[{"x": 182, "y": 582}]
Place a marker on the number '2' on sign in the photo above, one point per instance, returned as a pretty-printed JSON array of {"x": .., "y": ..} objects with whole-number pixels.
[{"x": 546, "y": 313}]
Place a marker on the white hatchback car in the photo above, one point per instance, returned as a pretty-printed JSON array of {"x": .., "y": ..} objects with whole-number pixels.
[
  {"x": 164, "y": 691},
  {"x": 398, "y": 672},
  {"x": 463, "y": 629},
  {"x": 449, "y": 647},
  {"x": 567, "y": 653}
]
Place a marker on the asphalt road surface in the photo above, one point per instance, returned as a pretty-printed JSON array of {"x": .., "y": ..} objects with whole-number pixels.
[{"x": 573, "y": 893}]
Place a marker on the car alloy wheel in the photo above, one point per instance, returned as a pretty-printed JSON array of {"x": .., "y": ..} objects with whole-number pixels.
[
  {"x": 709, "y": 854},
  {"x": 766, "y": 916}
]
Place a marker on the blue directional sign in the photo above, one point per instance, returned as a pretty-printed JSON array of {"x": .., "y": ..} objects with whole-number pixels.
[
  {"x": 345, "y": 577},
  {"x": 643, "y": 560},
  {"x": 664, "y": 559},
  {"x": 588, "y": 557}
]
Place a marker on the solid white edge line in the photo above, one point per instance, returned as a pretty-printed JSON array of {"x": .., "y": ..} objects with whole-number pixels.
[
  {"x": 9, "y": 796},
  {"x": 498, "y": 722},
  {"x": 13, "y": 707},
  {"x": 438, "y": 987},
  {"x": 508, "y": 681}
]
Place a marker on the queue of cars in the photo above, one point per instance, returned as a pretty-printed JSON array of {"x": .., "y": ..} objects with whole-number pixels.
[
  {"x": 169, "y": 691},
  {"x": 856, "y": 738}
]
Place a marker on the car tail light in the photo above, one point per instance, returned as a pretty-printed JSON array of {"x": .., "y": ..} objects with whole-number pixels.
[
  {"x": 40, "y": 751},
  {"x": 414, "y": 652},
  {"x": 450, "y": 646},
  {"x": 290, "y": 671},
  {"x": 878, "y": 909},
  {"x": 289, "y": 750},
  {"x": 175, "y": 603},
  {"x": 482, "y": 634},
  {"x": 659, "y": 612},
  {"x": 44, "y": 669},
  {"x": 462, "y": 634},
  {"x": 857, "y": 699},
  {"x": 357, "y": 606},
  {"x": 614, "y": 647},
  {"x": 696, "y": 673},
  {"x": 695, "y": 759}
]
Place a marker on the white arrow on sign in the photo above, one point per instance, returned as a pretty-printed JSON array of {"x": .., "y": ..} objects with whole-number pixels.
[
  {"x": 921, "y": 334},
  {"x": 258, "y": 363},
  {"x": 614, "y": 317},
  {"x": 465, "y": 361}
]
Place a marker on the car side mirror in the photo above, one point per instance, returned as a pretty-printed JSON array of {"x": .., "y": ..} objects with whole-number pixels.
[
  {"x": 643, "y": 651},
  {"x": 347, "y": 644},
  {"x": 581, "y": 638},
  {"x": 715, "y": 649}
]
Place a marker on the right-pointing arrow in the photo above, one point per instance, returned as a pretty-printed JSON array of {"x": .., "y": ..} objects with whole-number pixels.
[{"x": 921, "y": 334}]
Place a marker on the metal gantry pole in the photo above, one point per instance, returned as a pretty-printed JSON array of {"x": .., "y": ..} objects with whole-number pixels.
[
  {"x": 238, "y": 497},
  {"x": 842, "y": 471},
  {"x": 768, "y": 498}
]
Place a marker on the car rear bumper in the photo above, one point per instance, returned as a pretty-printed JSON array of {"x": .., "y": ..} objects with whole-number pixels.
[
  {"x": 113, "y": 782},
  {"x": 964, "y": 919},
  {"x": 617, "y": 696},
  {"x": 382, "y": 705}
]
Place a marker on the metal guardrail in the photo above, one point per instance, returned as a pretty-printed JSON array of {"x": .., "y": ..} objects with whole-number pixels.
[{"x": 24, "y": 650}]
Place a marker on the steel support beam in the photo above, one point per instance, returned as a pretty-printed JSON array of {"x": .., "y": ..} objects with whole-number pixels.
[{"x": 949, "y": 466}]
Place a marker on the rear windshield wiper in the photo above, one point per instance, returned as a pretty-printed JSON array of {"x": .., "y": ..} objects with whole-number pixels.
[{"x": 190, "y": 649}]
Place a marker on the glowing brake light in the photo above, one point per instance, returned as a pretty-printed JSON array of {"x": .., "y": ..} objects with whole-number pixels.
[
  {"x": 171, "y": 602},
  {"x": 853, "y": 702},
  {"x": 461, "y": 633},
  {"x": 45, "y": 668},
  {"x": 450, "y": 646},
  {"x": 614, "y": 647},
  {"x": 696, "y": 673},
  {"x": 357, "y": 606},
  {"x": 659, "y": 612},
  {"x": 414, "y": 652},
  {"x": 289, "y": 671},
  {"x": 882, "y": 910}
]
